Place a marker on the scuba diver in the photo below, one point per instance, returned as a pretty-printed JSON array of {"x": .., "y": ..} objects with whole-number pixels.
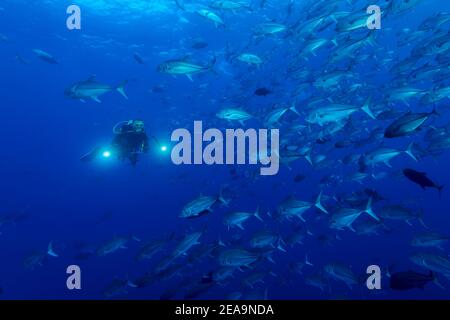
[{"x": 129, "y": 142}]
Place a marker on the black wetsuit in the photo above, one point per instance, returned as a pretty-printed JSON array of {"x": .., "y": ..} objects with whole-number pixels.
[{"x": 129, "y": 144}]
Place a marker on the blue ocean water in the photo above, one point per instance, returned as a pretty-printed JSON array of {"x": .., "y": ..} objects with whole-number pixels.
[{"x": 78, "y": 206}]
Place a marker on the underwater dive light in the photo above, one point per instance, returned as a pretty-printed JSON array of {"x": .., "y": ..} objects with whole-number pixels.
[{"x": 106, "y": 154}]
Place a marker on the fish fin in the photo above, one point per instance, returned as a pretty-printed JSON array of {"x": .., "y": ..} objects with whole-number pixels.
[
  {"x": 96, "y": 99},
  {"x": 423, "y": 223},
  {"x": 189, "y": 77},
  {"x": 221, "y": 243},
  {"x": 293, "y": 109},
  {"x": 436, "y": 282},
  {"x": 366, "y": 108},
  {"x": 409, "y": 151},
  {"x": 222, "y": 200},
  {"x": 388, "y": 271},
  {"x": 240, "y": 226},
  {"x": 307, "y": 262},
  {"x": 121, "y": 89},
  {"x": 256, "y": 214},
  {"x": 51, "y": 251},
  {"x": 333, "y": 18},
  {"x": 369, "y": 210},
  {"x": 319, "y": 205},
  {"x": 269, "y": 257},
  {"x": 308, "y": 158},
  {"x": 281, "y": 248}
]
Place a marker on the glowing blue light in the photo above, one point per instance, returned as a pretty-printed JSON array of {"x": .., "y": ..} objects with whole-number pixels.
[
  {"x": 163, "y": 148},
  {"x": 106, "y": 154}
]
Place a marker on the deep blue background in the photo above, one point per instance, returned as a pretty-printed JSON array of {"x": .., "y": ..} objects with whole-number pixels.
[{"x": 43, "y": 134}]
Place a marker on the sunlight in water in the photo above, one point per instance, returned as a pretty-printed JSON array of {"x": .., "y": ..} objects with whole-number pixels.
[{"x": 128, "y": 8}]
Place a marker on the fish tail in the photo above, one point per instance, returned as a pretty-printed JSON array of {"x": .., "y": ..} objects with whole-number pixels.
[
  {"x": 332, "y": 16},
  {"x": 388, "y": 271},
  {"x": 420, "y": 218},
  {"x": 308, "y": 158},
  {"x": 369, "y": 210},
  {"x": 307, "y": 262},
  {"x": 135, "y": 238},
  {"x": 409, "y": 151},
  {"x": 319, "y": 205},
  {"x": 279, "y": 245},
  {"x": 293, "y": 109},
  {"x": 121, "y": 89},
  {"x": 256, "y": 214},
  {"x": 367, "y": 110},
  {"x": 222, "y": 200},
  {"x": 130, "y": 283},
  {"x": 51, "y": 251},
  {"x": 220, "y": 243},
  {"x": 436, "y": 280}
]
